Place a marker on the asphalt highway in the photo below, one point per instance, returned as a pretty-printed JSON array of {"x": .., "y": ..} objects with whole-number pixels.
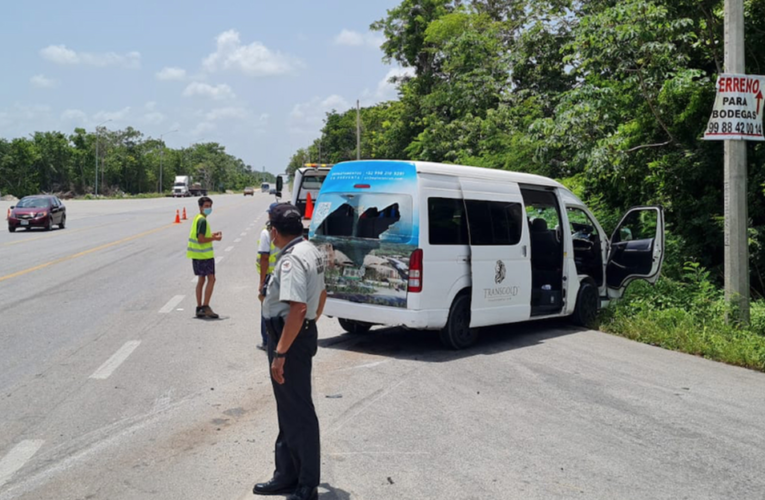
[{"x": 111, "y": 389}]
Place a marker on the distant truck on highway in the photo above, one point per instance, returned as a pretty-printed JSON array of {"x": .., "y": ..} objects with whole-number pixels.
[{"x": 183, "y": 187}]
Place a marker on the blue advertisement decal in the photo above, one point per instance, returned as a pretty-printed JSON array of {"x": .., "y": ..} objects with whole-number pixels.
[{"x": 366, "y": 224}]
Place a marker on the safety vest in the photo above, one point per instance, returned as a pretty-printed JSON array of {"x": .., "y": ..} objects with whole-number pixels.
[
  {"x": 271, "y": 258},
  {"x": 197, "y": 250}
]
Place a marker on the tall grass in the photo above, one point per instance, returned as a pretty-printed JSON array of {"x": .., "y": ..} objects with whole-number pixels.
[{"x": 688, "y": 315}]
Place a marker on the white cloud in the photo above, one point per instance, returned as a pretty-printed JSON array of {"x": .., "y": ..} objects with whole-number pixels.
[
  {"x": 74, "y": 115},
  {"x": 307, "y": 117},
  {"x": 226, "y": 114},
  {"x": 62, "y": 55},
  {"x": 352, "y": 38},
  {"x": 170, "y": 74},
  {"x": 154, "y": 118},
  {"x": 114, "y": 116},
  {"x": 41, "y": 82},
  {"x": 254, "y": 59},
  {"x": 217, "y": 92},
  {"x": 203, "y": 128},
  {"x": 20, "y": 118},
  {"x": 388, "y": 90}
]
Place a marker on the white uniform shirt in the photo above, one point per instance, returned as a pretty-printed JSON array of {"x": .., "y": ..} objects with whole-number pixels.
[
  {"x": 264, "y": 243},
  {"x": 298, "y": 277}
]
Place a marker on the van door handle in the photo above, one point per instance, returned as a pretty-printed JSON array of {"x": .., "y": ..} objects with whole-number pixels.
[{"x": 523, "y": 249}]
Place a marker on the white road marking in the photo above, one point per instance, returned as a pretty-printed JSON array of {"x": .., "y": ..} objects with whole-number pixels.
[
  {"x": 237, "y": 240},
  {"x": 171, "y": 304},
  {"x": 228, "y": 249},
  {"x": 17, "y": 457},
  {"x": 116, "y": 360},
  {"x": 218, "y": 259},
  {"x": 243, "y": 234}
]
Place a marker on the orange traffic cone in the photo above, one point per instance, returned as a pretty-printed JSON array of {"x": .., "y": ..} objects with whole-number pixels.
[
  {"x": 177, "y": 217},
  {"x": 184, "y": 214},
  {"x": 309, "y": 207}
]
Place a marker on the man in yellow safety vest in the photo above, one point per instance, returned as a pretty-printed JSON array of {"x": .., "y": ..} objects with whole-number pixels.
[
  {"x": 265, "y": 264},
  {"x": 200, "y": 251}
]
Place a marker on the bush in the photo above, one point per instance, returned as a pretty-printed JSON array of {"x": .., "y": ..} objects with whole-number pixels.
[{"x": 688, "y": 316}]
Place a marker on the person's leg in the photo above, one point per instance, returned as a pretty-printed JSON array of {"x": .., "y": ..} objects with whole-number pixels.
[
  {"x": 286, "y": 471},
  {"x": 301, "y": 425},
  {"x": 209, "y": 289},
  {"x": 263, "y": 331},
  {"x": 200, "y": 288}
]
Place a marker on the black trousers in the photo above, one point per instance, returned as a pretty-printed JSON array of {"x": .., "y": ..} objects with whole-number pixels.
[{"x": 297, "y": 449}]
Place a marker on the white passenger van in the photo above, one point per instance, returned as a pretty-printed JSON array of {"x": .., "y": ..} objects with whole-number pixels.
[{"x": 453, "y": 248}]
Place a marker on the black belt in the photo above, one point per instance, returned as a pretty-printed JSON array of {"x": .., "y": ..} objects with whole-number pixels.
[{"x": 276, "y": 325}]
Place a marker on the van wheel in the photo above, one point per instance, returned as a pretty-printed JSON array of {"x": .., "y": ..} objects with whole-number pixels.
[
  {"x": 352, "y": 326},
  {"x": 457, "y": 333},
  {"x": 587, "y": 305}
]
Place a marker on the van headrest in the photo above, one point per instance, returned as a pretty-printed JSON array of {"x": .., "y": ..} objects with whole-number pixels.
[{"x": 538, "y": 225}]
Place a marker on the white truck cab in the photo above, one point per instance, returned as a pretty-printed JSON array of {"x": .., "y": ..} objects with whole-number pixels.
[{"x": 453, "y": 248}]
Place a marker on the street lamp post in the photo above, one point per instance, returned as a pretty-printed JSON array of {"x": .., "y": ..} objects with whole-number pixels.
[
  {"x": 95, "y": 185},
  {"x": 162, "y": 155}
]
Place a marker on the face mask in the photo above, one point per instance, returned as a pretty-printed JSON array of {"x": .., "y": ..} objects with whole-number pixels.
[{"x": 207, "y": 211}]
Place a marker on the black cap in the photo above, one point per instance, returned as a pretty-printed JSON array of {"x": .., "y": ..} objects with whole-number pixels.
[{"x": 285, "y": 214}]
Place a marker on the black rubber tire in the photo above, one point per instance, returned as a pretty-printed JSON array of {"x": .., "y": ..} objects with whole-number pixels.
[
  {"x": 354, "y": 327},
  {"x": 457, "y": 333},
  {"x": 63, "y": 223},
  {"x": 49, "y": 225},
  {"x": 587, "y": 305},
  {"x": 11, "y": 229}
]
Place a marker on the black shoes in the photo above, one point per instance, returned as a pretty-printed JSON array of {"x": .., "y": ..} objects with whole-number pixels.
[
  {"x": 275, "y": 487},
  {"x": 304, "y": 493},
  {"x": 200, "y": 312}
]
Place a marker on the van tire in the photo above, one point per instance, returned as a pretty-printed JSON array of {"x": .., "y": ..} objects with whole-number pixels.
[
  {"x": 355, "y": 327},
  {"x": 587, "y": 305},
  {"x": 457, "y": 333}
]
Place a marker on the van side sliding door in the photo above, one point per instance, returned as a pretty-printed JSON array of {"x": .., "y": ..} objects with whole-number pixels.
[{"x": 499, "y": 247}]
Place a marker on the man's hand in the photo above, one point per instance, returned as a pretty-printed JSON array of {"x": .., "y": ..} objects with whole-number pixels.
[
  {"x": 261, "y": 297},
  {"x": 277, "y": 370},
  {"x": 217, "y": 236}
]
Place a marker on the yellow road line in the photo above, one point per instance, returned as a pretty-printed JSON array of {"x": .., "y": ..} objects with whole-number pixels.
[{"x": 86, "y": 252}]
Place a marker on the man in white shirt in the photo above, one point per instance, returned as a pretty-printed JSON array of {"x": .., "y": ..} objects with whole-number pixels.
[{"x": 265, "y": 264}]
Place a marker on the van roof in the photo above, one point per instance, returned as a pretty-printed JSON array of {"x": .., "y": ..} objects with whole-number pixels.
[{"x": 475, "y": 172}]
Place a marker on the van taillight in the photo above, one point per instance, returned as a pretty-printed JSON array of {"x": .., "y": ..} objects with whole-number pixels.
[{"x": 415, "y": 271}]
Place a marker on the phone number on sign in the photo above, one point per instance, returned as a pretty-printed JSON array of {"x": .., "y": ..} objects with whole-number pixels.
[{"x": 734, "y": 128}]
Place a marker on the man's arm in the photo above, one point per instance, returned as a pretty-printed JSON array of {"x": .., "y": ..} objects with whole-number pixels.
[
  {"x": 322, "y": 300},
  {"x": 264, "y": 258},
  {"x": 292, "y": 326}
]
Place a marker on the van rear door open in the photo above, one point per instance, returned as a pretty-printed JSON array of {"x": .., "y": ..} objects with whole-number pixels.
[{"x": 499, "y": 246}]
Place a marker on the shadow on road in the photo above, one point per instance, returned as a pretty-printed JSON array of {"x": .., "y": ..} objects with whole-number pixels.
[
  {"x": 425, "y": 345},
  {"x": 333, "y": 493}
]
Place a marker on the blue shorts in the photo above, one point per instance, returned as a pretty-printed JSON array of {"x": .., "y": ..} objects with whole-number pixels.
[{"x": 204, "y": 267}]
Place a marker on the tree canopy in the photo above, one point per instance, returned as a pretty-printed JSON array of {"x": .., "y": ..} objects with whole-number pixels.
[
  {"x": 128, "y": 162},
  {"x": 611, "y": 97}
]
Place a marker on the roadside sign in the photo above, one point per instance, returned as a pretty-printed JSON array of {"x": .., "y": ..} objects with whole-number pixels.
[{"x": 737, "y": 114}]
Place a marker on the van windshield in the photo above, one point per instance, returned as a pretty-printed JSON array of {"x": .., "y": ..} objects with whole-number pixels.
[{"x": 369, "y": 216}]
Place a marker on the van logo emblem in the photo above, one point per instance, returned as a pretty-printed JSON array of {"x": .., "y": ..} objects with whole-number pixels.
[{"x": 500, "y": 272}]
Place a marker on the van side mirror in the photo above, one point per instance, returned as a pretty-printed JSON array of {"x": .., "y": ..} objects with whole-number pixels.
[
  {"x": 279, "y": 186},
  {"x": 13, "y": 207}
]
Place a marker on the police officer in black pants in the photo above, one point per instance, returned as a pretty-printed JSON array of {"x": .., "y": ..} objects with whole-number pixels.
[{"x": 294, "y": 300}]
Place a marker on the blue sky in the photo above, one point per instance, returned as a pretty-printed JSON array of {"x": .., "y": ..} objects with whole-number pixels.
[{"x": 255, "y": 76}]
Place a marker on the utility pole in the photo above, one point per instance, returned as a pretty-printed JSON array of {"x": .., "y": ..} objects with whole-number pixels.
[
  {"x": 736, "y": 210},
  {"x": 95, "y": 184},
  {"x": 358, "y": 130}
]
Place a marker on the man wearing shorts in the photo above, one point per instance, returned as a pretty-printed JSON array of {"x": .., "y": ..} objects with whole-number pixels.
[{"x": 200, "y": 251}]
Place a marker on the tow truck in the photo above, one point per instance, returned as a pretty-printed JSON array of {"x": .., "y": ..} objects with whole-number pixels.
[{"x": 306, "y": 184}]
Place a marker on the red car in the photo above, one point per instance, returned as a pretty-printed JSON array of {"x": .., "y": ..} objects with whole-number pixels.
[{"x": 37, "y": 211}]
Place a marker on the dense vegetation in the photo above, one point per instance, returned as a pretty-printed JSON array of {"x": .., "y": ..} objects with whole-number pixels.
[
  {"x": 128, "y": 163},
  {"x": 610, "y": 97}
]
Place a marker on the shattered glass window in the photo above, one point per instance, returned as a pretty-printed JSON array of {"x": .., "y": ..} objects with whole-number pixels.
[{"x": 369, "y": 216}]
